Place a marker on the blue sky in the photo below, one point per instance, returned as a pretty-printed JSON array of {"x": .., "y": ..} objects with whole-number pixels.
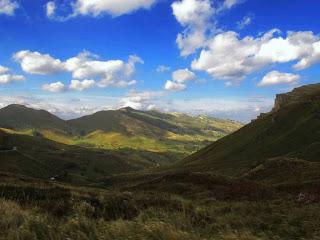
[{"x": 226, "y": 58}]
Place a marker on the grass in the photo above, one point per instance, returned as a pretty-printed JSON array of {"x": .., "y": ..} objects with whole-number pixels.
[
  {"x": 33, "y": 209},
  {"x": 291, "y": 131}
]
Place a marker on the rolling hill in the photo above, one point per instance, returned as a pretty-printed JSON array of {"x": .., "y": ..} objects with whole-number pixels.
[
  {"x": 151, "y": 136},
  {"x": 283, "y": 140},
  {"x": 38, "y": 157},
  {"x": 19, "y": 117}
]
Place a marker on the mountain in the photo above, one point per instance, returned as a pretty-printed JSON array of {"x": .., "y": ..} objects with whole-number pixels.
[
  {"x": 286, "y": 138},
  {"x": 149, "y": 123},
  {"x": 20, "y": 117},
  {"x": 151, "y": 130},
  {"x": 150, "y": 136}
]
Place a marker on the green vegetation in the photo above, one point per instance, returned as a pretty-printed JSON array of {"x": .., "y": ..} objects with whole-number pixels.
[
  {"x": 292, "y": 131},
  {"x": 33, "y": 209},
  {"x": 161, "y": 138},
  {"x": 261, "y": 182}
]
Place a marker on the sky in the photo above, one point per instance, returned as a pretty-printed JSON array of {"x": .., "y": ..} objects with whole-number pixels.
[{"x": 223, "y": 58}]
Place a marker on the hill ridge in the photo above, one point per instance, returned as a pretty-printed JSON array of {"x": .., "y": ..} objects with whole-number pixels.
[{"x": 291, "y": 130}]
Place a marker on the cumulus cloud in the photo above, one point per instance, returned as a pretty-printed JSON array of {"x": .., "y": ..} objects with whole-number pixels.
[
  {"x": 231, "y": 58},
  {"x": 8, "y": 7},
  {"x": 111, "y": 7},
  {"x": 81, "y": 85},
  {"x": 183, "y": 75},
  {"x": 179, "y": 79},
  {"x": 96, "y": 8},
  {"x": 7, "y": 77},
  {"x": 275, "y": 78},
  {"x": 310, "y": 58},
  {"x": 163, "y": 68},
  {"x": 3, "y": 69},
  {"x": 198, "y": 19},
  {"x": 116, "y": 73},
  {"x": 56, "y": 87},
  {"x": 144, "y": 100},
  {"x": 174, "y": 86},
  {"x": 194, "y": 16},
  {"x": 37, "y": 63},
  {"x": 226, "y": 56}
]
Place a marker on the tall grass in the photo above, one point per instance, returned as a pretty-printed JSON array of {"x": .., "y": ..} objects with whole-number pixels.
[{"x": 62, "y": 212}]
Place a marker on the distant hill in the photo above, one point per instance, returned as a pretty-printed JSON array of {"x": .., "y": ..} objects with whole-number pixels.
[
  {"x": 150, "y": 136},
  {"x": 150, "y": 130},
  {"x": 38, "y": 157},
  {"x": 20, "y": 117},
  {"x": 149, "y": 123},
  {"x": 288, "y": 138}
]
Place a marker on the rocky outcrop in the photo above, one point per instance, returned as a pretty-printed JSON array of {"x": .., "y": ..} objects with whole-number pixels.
[
  {"x": 281, "y": 101},
  {"x": 308, "y": 93}
]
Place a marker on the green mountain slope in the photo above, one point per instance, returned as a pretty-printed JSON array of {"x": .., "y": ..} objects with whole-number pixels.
[
  {"x": 151, "y": 136},
  {"x": 291, "y": 130},
  {"x": 150, "y": 130},
  {"x": 20, "y": 117},
  {"x": 42, "y": 158}
]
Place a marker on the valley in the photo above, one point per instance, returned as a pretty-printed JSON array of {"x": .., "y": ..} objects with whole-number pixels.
[{"x": 261, "y": 181}]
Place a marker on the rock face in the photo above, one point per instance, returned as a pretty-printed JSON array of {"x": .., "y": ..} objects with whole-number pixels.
[
  {"x": 281, "y": 101},
  {"x": 309, "y": 94}
]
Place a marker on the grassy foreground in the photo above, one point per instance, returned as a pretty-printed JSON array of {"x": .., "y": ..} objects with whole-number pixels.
[{"x": 33, "y": 209}]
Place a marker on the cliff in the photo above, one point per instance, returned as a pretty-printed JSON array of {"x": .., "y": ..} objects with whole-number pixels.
[{"x": 308, "y": 94}]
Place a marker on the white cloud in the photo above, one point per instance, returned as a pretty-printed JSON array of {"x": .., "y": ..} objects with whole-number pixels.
[
  {"x": 50, "y": 9},
  {"x": 195, "y": 16},
  {"x": 174, "y": 86},
  {"x": 309, "y": 59},
  {"x": 112, "y": 7},
  {"x": 37, "y": 63},
  {"x": 228, "y": 57},
  {"x": 163, "y": 68},
  {"x": 116, "y": 73},
  {"x": 81, "y": 85},
  {"x": 183, "y": 75},
  {"x": 179, "y": 79},
  {"x": 8, "y": 7},
  {"x": 54, "y": 87},
  {"x": 141, "y": 100},
  {"x": 7, "y": 77},
  {"x": 3, "y": 70},
  {"x": 245, "y": 21},
  {"x": 198, "y": 19},
  {"x": 275, "y": 78}
]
